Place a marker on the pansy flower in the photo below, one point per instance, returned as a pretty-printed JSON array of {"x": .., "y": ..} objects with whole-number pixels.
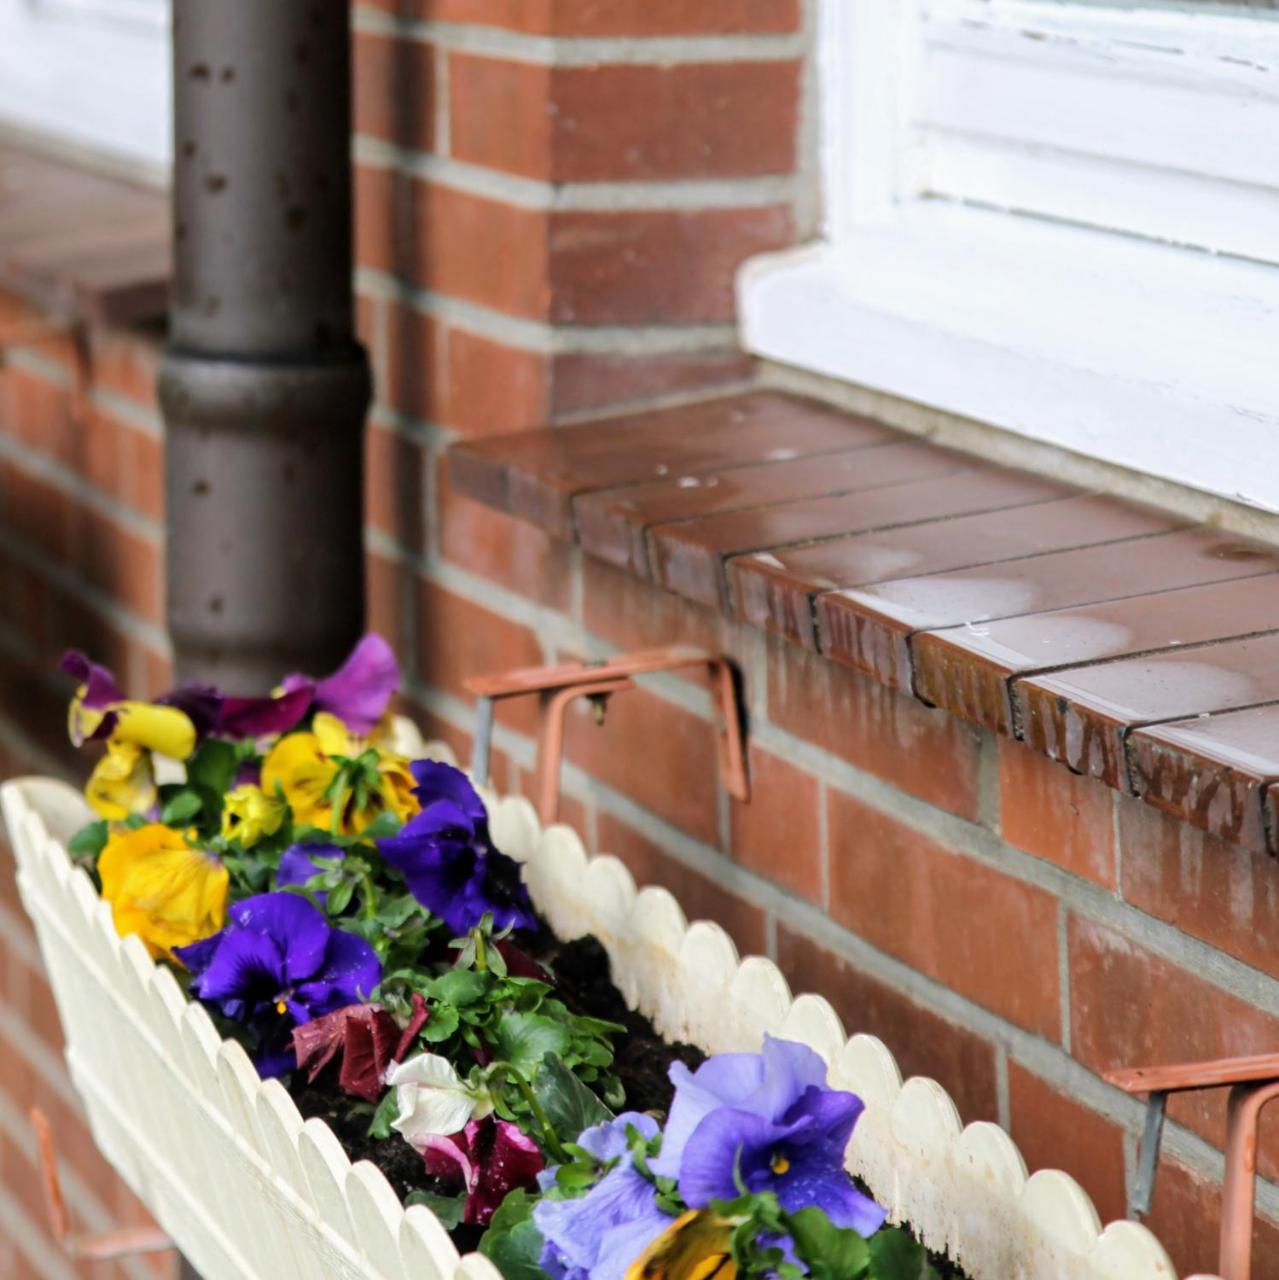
[
  {"x": 448, "y": 858},
  {"x": 336, "y": 781},
  {"x": 277, "y": 964},
  {"x": 250, "y": 814},
  {"x": 597, "y": 1236},
  {"x": 360, "y": 690},
  {"x": 490, "y": 1158},
  {"x": 162, "y": 888},
  {"x": 769, "y": 1119},
  {"x": 433, "y": 1100},
  {"x": 366, "y": 1039}
]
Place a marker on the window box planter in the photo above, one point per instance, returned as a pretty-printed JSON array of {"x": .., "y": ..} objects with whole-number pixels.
[{"x": 248, "y": 1190}]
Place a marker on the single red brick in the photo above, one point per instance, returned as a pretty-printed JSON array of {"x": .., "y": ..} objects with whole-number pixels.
[
  {"x": 1186, "y": 1216},
  {"x": 700, "y": 896},
  {"x": 1201, "y": 884},
  {"x": 1055, "y": 1131},
  {"x": 614, "y": 17},
  {"x": 655, "y": 267},
  {"x": 387, "y": 585},
  {"x": 1055, "y": 814},
  {"x": 379, "y": 204},
  {"x": 983, "y": 934},
  {"x": 778, "y": 834},
  {"x": 501, "y": 113},
  {"x": 923, "y": 1043},
  {"x": 926, "y": 752},
  {"x": 502, "y": 549},
  {"x": 1132, "y": 1008},
  {"x": 36, "y": 411},
  {"x": 415, "y": 355},
  {"x": 395, "y": 484},
  {"x": 393, "y": 90},
  {"x": 474, "y": 248},
  {"x": 581, "y": 124},
  {"x": 657, "y": 754},
  {"x": 589, "y": 381},
  {"x": 492, "y": 388},
  {"x": 689, "y": 120},
  {"x": 458, "y": 638}
]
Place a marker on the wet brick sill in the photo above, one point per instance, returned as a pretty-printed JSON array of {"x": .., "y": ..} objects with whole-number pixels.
[{"x": 1113, "y": 638}]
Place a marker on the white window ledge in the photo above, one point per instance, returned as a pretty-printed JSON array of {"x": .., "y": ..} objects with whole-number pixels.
[{"x": 1160, "y": 359}]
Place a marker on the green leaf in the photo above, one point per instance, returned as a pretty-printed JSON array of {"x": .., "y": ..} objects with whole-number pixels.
[
  {"x": 386, "y": 824},
  {"x": 512, "y": 1243},
  {"x": 214, "y": 765},
  {"x": 181, "y": 808},
  {"x": 460, "y": 987},
  {"x": 524, "y": 1040},
  {"x": 90, "y": 840},
  {"x": 441, "y": 1024},
  {"x": 831, "y": 1252},
  {"x": 387, "y": 1110},
  {"x": 896, "y": 1255},
  {"x": 448, "y": 1209},
  {"x": 340, "y": 898},
  {"x": 569, "y": 1105}
]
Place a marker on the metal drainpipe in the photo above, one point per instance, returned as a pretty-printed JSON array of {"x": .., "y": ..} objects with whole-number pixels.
[{"x": 263, "y": 386}]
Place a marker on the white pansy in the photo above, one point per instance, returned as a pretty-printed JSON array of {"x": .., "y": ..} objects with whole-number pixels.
[{"x": 433, "y": 1100}]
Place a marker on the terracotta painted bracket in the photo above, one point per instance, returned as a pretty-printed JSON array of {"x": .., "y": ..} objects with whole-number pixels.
[
  {"x": 1253, "y": 1082},
  {"x": 33, "y": 332},
  {"x": 557, "y": 686},
  {"x": 126, "y": 1242}
]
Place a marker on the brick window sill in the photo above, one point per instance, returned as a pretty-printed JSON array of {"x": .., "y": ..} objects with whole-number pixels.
[
  {"x": 1128, "y": 645},
  {"x": 80, "y": 246}
]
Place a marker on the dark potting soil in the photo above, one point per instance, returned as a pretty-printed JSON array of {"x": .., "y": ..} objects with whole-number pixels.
[{"x": 642, "y": 1060}]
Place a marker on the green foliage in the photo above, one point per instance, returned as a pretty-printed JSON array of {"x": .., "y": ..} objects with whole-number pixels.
[
  {"x": 512, "y": 1243},
  {"x": 826, "y": 1251},
  {"x": 570, "y": 1105},
  {"x": 89, "y": 841},
  {"x": 448, "y": 1209}
]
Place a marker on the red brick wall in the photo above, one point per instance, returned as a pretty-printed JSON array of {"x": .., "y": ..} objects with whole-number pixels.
[{"x": 553, "y": 196}]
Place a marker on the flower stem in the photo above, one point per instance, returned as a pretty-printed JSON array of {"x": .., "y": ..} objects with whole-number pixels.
[{"x": 550, "y": 1139}]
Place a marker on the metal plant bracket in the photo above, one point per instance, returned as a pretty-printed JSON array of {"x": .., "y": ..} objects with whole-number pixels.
[
  {"x": 1253, "y": 1082},
  {"x": 557, "y": 686},
  {"x": 125, "y": 1242}
]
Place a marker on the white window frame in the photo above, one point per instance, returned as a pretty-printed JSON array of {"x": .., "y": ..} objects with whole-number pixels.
[
  {"x": 89, "y": 77},
  {"x": 941, "y": 279}
]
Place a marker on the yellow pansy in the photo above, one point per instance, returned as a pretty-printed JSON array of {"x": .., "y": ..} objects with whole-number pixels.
[
  {"x": 696, "y": 1246},
  {"x": 161, "y": 888},
  {"x": 305, "y": 767},
  {"x": 249, "y": 813},
  {"x": 122, "y": 783}
]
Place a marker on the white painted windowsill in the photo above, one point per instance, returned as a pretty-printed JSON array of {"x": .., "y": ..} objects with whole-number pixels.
[{"x": 1100, "y": 343}]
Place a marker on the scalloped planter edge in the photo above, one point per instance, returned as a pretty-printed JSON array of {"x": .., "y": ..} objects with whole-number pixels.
[{"x": 249, "y": 1191}]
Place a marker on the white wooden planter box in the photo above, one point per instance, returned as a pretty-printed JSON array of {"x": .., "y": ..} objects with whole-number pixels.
[{"x": 249, "y": 1191}]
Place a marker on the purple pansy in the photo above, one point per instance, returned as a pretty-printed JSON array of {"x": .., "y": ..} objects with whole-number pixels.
[
  {"x": 100, "y": 688},
  {"x": 359, "y": 691},
  {"x": 296, "y": 865},
  {"x": 448, "y": 858},
  {"x": 262, "y": 717},
  {"x": 278, "y": 963},
  {"x": 490, "y": 1158},
  {"x": 770, "y": 1116},
  {"x": 597, "y": 1236}
]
